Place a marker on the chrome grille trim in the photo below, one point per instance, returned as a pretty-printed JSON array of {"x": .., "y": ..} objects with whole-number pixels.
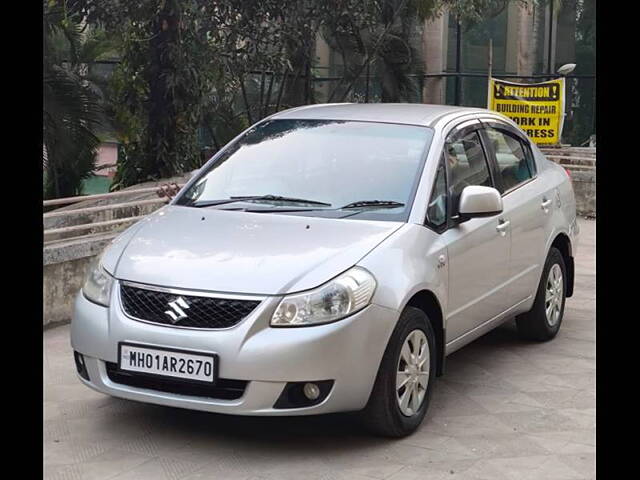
[
  {"x": 187, "y": 293},
  {"x": 193, "y": 293}
]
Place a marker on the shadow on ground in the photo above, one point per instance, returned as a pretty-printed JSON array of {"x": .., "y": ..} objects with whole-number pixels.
[{"x": 325, "y": 428}]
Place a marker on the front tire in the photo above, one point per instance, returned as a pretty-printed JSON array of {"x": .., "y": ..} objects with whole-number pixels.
[
  {"x": 543, "y": 321},
  {"x": 403, "y": 386}
]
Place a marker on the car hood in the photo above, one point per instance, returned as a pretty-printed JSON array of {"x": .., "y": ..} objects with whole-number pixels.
[{"x": 240, "y": 252}]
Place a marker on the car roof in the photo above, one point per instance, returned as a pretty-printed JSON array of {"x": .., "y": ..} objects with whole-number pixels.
[{"x": 404, "y": 113}]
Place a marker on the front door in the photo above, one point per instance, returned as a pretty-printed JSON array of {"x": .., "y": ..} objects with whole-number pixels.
[
  {"x": 478, "y": 249},
  {"x": 527, "y": 201}
]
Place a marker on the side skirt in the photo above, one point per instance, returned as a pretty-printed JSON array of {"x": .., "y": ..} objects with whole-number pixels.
[{"x": 480, "y": 330}]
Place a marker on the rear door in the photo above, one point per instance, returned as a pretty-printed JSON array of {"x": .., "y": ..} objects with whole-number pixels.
[
  {"x": 527, "y": 201},
  {"x": 478, "y": 249}
]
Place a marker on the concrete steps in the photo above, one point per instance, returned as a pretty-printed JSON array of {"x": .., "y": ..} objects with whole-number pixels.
[{"x": 581, "y": 164}]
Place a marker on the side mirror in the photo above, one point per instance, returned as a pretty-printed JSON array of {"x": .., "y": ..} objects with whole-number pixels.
[{"x": 479, "y": 201}]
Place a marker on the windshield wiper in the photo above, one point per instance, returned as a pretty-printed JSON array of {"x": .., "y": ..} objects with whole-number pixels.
[
  {"x": 209, "y": 203},
  {"x": 278, "y": 198},
  {"x": 373, "y": 203}
]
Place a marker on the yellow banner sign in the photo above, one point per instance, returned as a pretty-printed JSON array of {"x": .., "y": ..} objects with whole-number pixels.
[{"x": 538, "y": 108}]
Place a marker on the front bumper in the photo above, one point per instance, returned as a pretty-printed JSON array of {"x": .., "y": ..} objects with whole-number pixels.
[{"x": 347, "y": 351}]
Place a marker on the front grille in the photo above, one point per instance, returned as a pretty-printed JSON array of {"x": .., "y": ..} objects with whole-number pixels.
[
  {"x": 224, "y": 389},
  {"x": 184, "y": 310}
]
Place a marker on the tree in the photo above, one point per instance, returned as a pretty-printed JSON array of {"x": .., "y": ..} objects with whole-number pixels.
[
  {"x": 584, "y": 105},
  {"x": 377, "y": 35},
  {"x": 156, "y": 95},
  {"x": 72, "y": 112},
  {"x": 187, "y": 64},
  {"x": 177, "y": 57}
]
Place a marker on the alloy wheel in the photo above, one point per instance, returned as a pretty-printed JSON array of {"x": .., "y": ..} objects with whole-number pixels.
[
  {"x": 553, "y": 295},
  {"x": 412, "y": 375}
]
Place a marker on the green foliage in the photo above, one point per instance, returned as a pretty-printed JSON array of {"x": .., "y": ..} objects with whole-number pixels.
[
  {"x": 157, "y": 90},
  {"x": 380, "y": 35},
  {"x": 186, "y": 65},
  {"x": 585, "y": 90},
  {"x": 71, "y": 112},
  {"x": 182, "y": 62}
]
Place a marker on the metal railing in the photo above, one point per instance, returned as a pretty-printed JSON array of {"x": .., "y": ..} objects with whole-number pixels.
[{"x": 83, "y": 219}]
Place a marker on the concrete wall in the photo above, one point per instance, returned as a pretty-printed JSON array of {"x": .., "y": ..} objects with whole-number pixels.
[
  {"x": 107, "y": 155},
  {"x": 584, "y": 187},
  {"x": 65, "y": 261},
  {"x": 61, "y": 283},
  {"x": 434, "y": 40},
  {"x": 581, "y": 163},
  {"x": 64, "y": 269}
]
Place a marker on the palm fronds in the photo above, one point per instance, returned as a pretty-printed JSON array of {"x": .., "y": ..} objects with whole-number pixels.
[{"x": 72, "y": 111}]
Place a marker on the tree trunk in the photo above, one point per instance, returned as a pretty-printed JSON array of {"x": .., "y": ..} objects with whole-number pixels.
[
  {"x": 296, "y": 88},
  {"x": 162, "y": 115}
]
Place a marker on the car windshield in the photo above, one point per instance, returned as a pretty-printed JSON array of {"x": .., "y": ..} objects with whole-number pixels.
[{"x": 315, "y": 168}]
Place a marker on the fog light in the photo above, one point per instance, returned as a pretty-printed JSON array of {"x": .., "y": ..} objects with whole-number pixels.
[
  {"x": 80, "y": 365},
  {"x": 303, "y": 394},
  {"x": 311, "y": 391}
]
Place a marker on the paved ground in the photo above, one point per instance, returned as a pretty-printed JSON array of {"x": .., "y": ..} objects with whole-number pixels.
[{"x": 505, "y": 410}]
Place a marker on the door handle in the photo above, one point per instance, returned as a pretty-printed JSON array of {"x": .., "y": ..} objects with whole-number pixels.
[
  {"x": 502, "y": 226},
  {"x": 545, "y": 204}
]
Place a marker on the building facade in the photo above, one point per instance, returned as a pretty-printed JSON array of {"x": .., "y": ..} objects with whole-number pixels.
[{"x": 531, "y": 40}]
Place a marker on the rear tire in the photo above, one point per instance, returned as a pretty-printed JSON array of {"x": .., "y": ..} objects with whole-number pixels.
[
  {"x": 543, "y": 321},
  {"x": 390, "y": 411}
]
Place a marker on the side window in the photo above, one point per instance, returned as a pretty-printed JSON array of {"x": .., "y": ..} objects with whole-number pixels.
[
  {"x": 467, "y": 164},
  {"x": 513, "y": 159},
  {"x": 437, "y": 209}
]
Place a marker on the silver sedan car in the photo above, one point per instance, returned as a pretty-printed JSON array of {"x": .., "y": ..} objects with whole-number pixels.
[{"x": 329, "y": 259}]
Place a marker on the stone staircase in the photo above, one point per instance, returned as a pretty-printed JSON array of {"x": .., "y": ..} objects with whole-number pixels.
[{"x": 581, "y": 164}]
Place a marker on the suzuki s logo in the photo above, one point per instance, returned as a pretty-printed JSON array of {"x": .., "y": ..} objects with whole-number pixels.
[{"x": 176, "y": 311}]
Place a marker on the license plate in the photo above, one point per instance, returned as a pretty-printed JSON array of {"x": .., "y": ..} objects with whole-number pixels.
[{"x": 200, "y": 367}]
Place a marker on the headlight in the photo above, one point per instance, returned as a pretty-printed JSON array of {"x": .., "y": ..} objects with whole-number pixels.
[
  {"x": 97, "y": 286},
  {"x": 342, "y": 296}
]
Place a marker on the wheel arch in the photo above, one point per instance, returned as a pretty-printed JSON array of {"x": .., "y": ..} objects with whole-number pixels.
[
  {"x": 427, "y": 301},
  {"x": 563, "y": 243}
]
